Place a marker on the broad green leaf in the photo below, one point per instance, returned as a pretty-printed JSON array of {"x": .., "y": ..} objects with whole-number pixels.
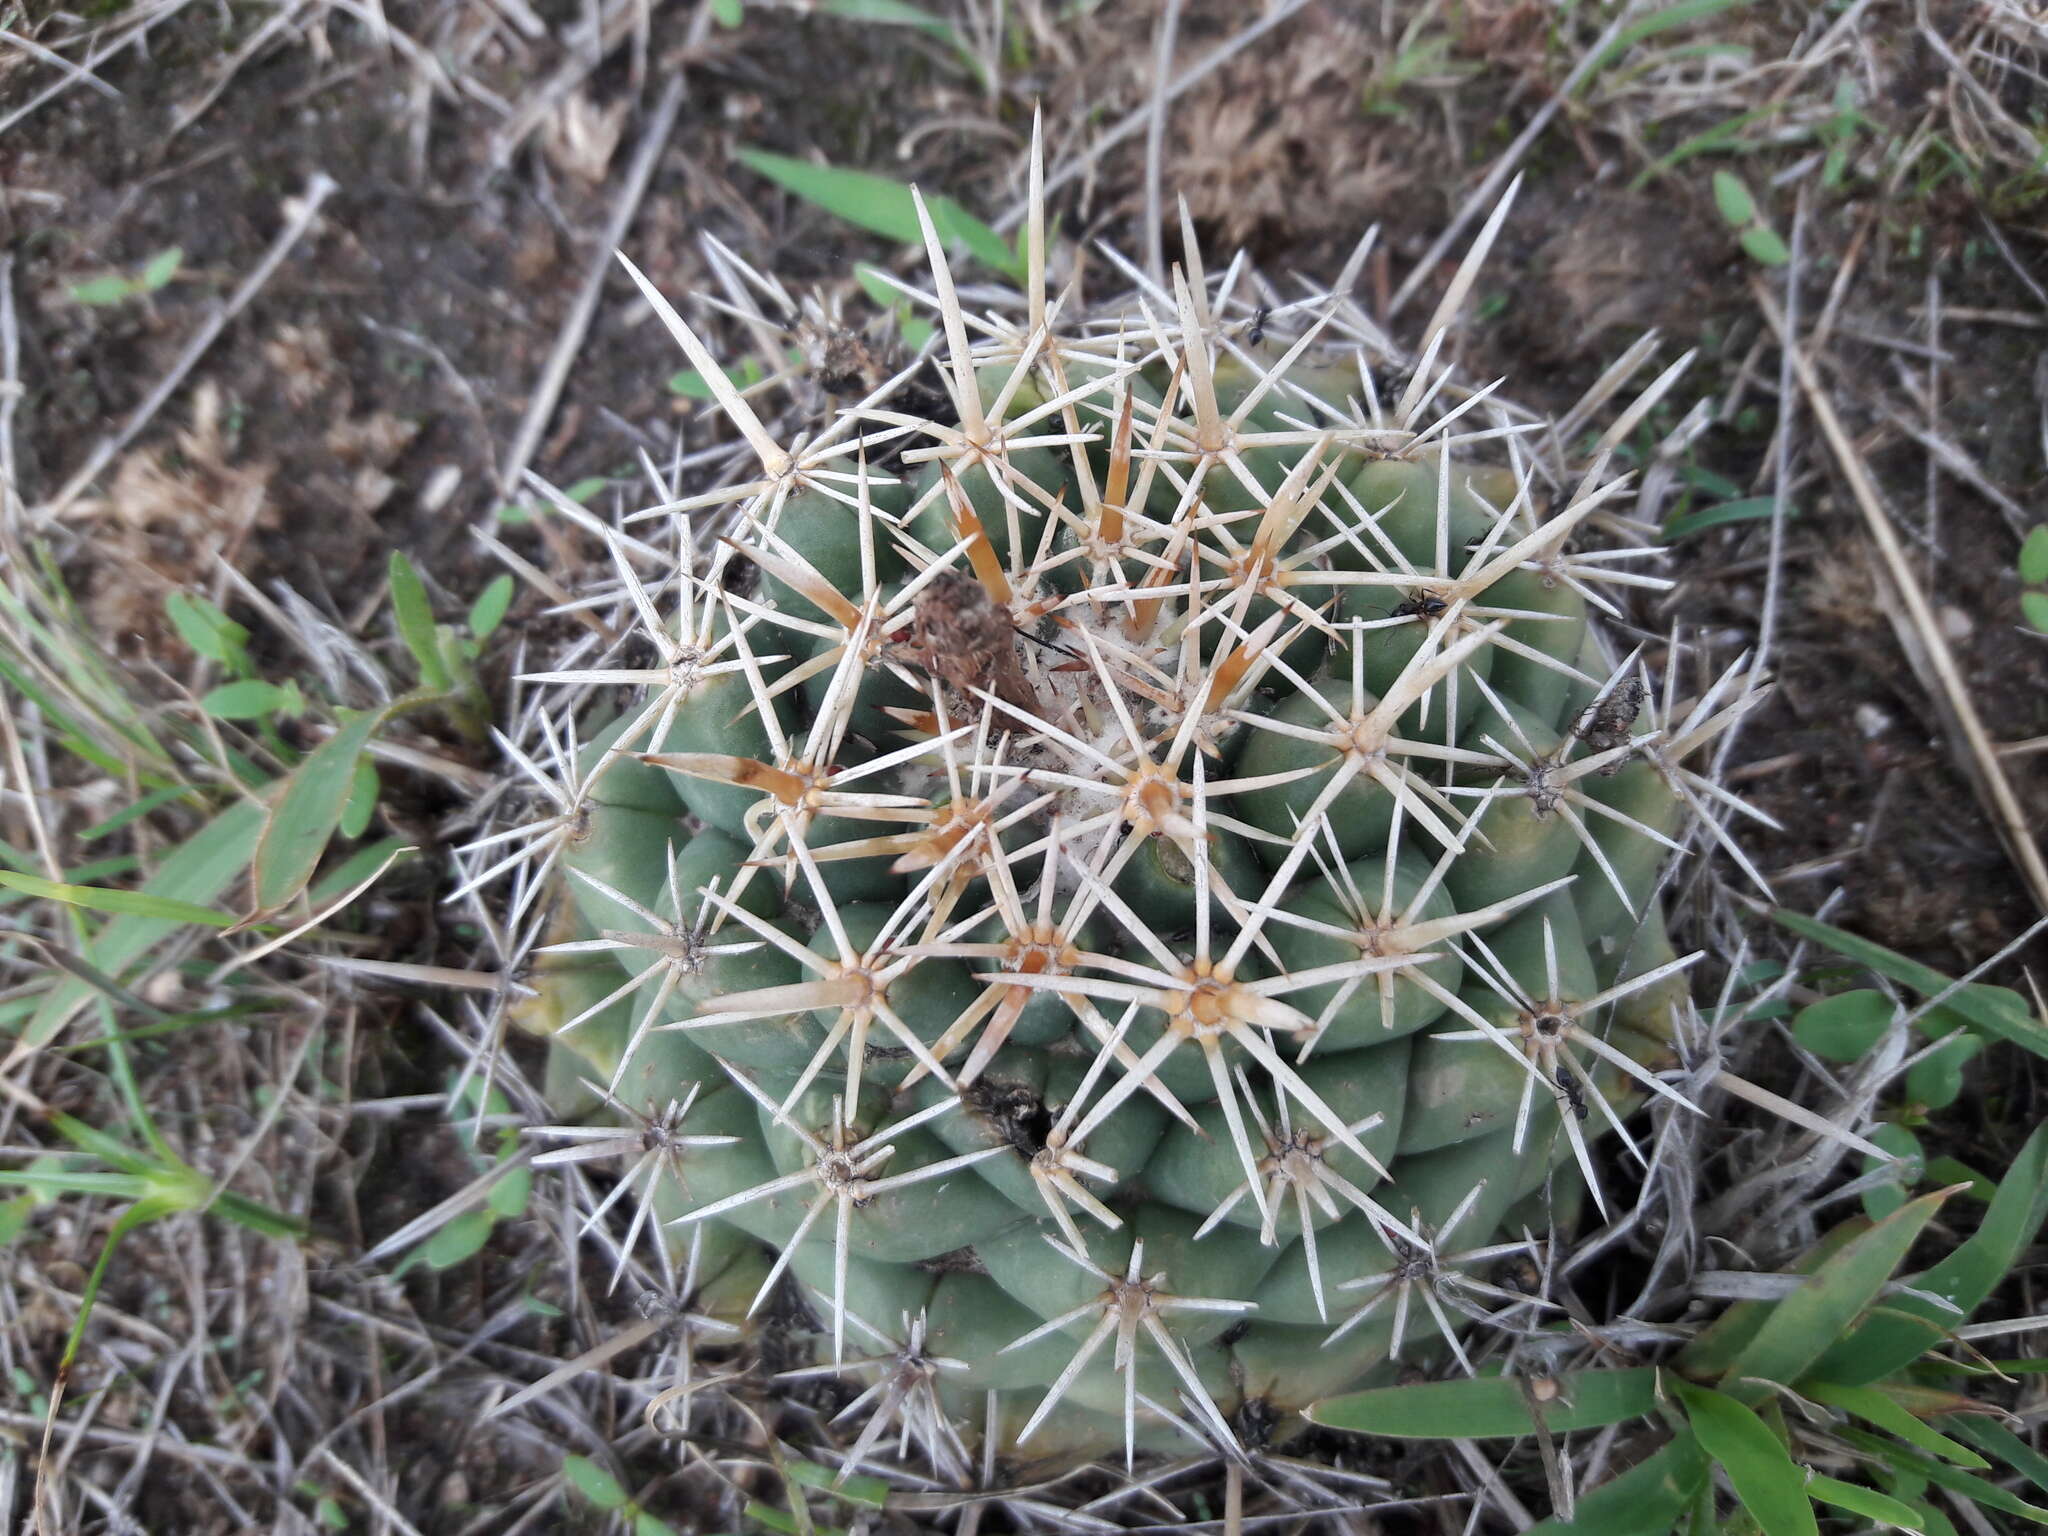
[
  {"x": 645, "y": 1524},
  {"x": 883, "y": 206},
  {"x": 461, "y": 1239},
  {"x": 1732, "y": 197},
  {"x": 249, "y": 699},
  {"x": 162, "y": 267},
  {"x": 1845, "y": 1026},
  {"x": 1976, "y": 1489},
  {"x": 414, "y": 611},
  {"x": 1765, "y": 245},
  {"x": 1879, "y": 1408},
  {"x": 1770, "y": 1484},
  {"x": 1492, "y": 1407},
  {"x": 1867, "y": 1503},
  {"x": 196, "y": 872},
  {"x": 206, "y": 629},
  {"x": 594, "y": 1483},
  {"x": 1804, "y": 1323},
  {"x": 99, "y": 899},
  {"x": 1982, "y": 1006},
  {"x": 1949, "y": 1170},
  {"x": 508, "y": 1197},
  {"x": 2034, "y": 554},
  {"x": 2034, "y": 605},
  {"x": 1909, "y": 1169},
  {"x": 692, "y": 385},
  {"x": 1936, "y": 1080},
  {"x": 1646, "y": 1500},
  {"x": 111, "y": 288},
  {"x": 1750, "y": 509},
  {"x": 1908, "y": 1325},
  {"x": 490, "y": 607},
  {"x": 305, "y": 815},
  {"x": 362, "y": 800}
]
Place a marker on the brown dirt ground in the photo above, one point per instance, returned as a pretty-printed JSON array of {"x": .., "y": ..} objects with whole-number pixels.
[{"x": 398, "y": 345}]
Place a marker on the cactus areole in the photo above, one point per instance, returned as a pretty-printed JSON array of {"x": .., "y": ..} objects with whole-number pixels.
[{"x": 1140, "y": 908}]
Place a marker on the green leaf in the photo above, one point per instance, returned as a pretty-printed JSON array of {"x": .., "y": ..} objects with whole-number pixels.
[
  {"x": 2001, "y": 1442},
  {"x": 1875, "y": 1406},
  {"x": 1683, "y": 14},
  {"x": 102, "y": 291},
  {"x": 1764, "y": 245},
  {"x": 728, "y": 13},
  {"x": 1982, "y": 1006},
  {"x": 206, "y": 629},
  {"x": 890, "y": 13},
  {"x": 882, "y": 206},
  {"x": 1882, "y": 1200},
  {"x": 363, "y": 790},
  {"x": 414, "y": 611},
  {"x": 2035, "y": 606},
  {"x": 490, "y": 607},
  {"x": 594, "y": 1483},
  {"x": 1750, "y": 509},
  {"x": 2034, "y": 555},
  {"x": 1976, "y": 1489},
  {"x": 249, "y": 699},
  {"x": 871, "y": 1491},
  {"x": 692, "y": 385},
  {"x": 1867, "y": 1503},
  {"x": 1771, "y": 1486},
  {"x": 1646, "y": 1500},
  {"x": 1936, "y": 1080},
  {"x": 1804, "y": 1323},
  {"x": 1732, "y": 197},
  {"x": 1491, "y": 1407},
  {"x": 1949, "y": 1170},
  {"x": 197, "y": 872},
  {"x": 162, "y": 267},
  {"x": 136, "y": 903},
  {"x": 1908, "y": 1325},
  {"x": 1845, "y": 1026},
  {"x": 645, "y": 1524},
  {"x": 508, "y": 1197},
  {"x": 461, "y": 1239},
  {"x": 306, "y": 814}
]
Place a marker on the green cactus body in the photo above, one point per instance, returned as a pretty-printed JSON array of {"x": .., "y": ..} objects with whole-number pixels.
[{"x": 1145, "y": 944}]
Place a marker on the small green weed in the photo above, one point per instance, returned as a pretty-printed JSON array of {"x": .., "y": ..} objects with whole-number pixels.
[{"x": 111, "y": 288}]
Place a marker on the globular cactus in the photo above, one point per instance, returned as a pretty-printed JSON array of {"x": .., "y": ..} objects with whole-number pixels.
[{"x": 1138, "y": 905}]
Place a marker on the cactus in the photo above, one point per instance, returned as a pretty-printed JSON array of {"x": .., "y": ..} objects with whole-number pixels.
[{"x": 1135, "y": 893}]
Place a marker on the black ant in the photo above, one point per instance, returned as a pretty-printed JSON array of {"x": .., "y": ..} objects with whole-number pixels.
[
  {"x": 1572, "y": 1092},
  {"x": 1423, "y": 605},
  {"x": 1257, "y": 333}
]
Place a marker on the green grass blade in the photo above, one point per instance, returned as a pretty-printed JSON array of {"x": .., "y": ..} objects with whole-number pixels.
[
  {"x": 307, "y": 812},
  {"x": 197, "y": 872},
  {"x": 1646, "y": 1500},
  {"x": 2004, "y": 1444},
  {"x": 1976, "y": 1489},
  {"x": 1770, "y": 1484},
  {"x": 1804, "y": 1323},
  {"x": 1684, "y": 14},
  {"x": 1484, "y": 1408},
  {"x": 1872, "y": 1405},
  {"x": 1750, "y": 509},
  {"x": 1868, "y": 1503},
  {"x": 96, "y": 898},
  {"x": 1891, "y": 1340},
  {"x": 882, "y": 206}
]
